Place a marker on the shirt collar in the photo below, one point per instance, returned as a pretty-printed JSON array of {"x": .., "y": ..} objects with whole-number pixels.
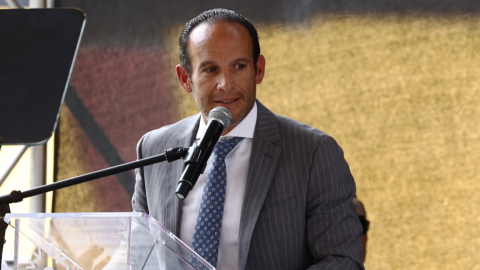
[{"x": 244, "y": 129}]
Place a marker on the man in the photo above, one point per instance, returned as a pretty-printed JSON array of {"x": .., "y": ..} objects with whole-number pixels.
[{"x": 288, "y": 201}]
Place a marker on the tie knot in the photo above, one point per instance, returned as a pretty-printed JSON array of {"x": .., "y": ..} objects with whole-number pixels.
[{"x": 222, "y": 148}]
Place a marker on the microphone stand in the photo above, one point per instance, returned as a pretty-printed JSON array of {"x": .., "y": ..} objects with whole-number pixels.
[{"x": 17, "y": 195}]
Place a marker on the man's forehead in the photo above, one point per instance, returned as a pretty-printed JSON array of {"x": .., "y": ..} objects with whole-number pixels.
[
  {"x": 207, "y": 30},
  {"x": 208, "y": 38},
  {"x": 198, "y": 33}
]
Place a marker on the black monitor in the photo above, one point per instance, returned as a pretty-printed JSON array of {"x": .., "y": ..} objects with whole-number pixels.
[{"x": 37, "y": 52}]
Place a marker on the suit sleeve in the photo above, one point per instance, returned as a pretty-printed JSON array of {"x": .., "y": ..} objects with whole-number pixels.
[
  {"x": 139, "y": 198},
  {"x": 333, "y": 229}
]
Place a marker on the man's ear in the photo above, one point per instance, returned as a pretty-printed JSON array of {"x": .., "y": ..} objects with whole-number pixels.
[
  {"x": 260, "y": 69},
  {"x": 183, "y": 78}
]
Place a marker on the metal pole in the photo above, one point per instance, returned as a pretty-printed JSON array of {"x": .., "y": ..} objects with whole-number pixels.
[
  {"x": 38, "y": 176},
  {"x": 38, "y": 3}
]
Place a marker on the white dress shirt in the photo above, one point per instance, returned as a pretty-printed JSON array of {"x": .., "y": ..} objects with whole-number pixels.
[{"x": 237, "y": 163}]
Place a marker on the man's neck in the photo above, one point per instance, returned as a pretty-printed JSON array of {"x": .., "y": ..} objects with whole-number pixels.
[{"x": 245, "y": 128}]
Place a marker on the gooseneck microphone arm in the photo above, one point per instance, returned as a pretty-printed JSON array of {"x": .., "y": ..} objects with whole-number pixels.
[
  {"x": 17, "y": 195},
  {"x": 169, "y": 155}
]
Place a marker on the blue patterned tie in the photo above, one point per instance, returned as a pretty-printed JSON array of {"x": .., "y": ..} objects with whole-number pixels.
[{"x": 206, "y": 234}]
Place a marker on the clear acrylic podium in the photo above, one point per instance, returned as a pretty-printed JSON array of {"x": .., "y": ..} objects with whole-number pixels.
[{"x": 94, "y": 241}]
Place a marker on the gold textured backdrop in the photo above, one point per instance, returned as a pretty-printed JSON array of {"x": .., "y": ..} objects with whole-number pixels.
[{"x": 399, "y": 94}]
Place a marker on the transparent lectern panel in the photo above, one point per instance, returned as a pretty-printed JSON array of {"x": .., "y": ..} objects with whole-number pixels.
[
  {"x": 167, "y": 243},
  {"x": 109, "y": 241}
]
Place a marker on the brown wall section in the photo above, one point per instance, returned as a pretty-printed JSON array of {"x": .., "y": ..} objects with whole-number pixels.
[
  {"x": 127, "y": 91},
  {"x": 76, "y": 156}
]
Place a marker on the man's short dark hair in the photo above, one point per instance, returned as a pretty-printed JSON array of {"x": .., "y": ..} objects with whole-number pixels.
[{"x": 214, "y": 16}]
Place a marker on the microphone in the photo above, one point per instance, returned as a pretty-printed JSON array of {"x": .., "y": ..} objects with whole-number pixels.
[{"x": 218, "y": 119}]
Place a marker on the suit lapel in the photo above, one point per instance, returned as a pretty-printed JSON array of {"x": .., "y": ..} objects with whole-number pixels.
[{"x": 263, "y": 162}]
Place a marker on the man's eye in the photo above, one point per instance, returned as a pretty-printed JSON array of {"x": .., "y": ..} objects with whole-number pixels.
[
  {"x": 210, "y": 69},
  {"x": 240, "y": 66}
]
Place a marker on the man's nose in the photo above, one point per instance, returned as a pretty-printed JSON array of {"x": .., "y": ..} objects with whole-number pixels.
[{"x": 224, "y": 81}]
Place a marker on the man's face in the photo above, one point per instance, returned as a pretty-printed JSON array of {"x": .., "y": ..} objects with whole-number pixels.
[{"x": 222, "y": 69}]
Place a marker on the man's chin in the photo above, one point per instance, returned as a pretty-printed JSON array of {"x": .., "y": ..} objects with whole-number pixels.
[{"x": 238, "y": 111}]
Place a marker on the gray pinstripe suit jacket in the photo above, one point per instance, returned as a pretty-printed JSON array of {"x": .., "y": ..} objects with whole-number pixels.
[{"x": 297, "y": 212}]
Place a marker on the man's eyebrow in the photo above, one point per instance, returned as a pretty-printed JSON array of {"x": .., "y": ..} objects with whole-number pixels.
[
  {"x": 206, "y": 63},
  {"x": 242, "y": 59}
]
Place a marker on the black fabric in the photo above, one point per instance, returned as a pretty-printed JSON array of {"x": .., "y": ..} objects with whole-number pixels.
[{"x": 365, "y": 224}]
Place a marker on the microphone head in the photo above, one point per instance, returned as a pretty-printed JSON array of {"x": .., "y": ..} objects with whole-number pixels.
[{"x": 221, "y": 115}]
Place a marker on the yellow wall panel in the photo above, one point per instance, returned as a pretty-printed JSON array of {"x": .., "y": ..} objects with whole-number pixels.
[
  {"x": 77, "y": 198},
  {"x": 400, "y": 95}
]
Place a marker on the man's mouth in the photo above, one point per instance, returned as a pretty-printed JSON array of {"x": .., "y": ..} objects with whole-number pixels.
[{"x": 227, "y": 101}]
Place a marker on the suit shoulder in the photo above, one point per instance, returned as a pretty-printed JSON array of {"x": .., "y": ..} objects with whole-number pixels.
[
  {"x": 299, "y": 137},
  {"x": 165, "y": 135},
  {"x": 295, "y": 130},
  {"x": 172, "y": 129}
]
